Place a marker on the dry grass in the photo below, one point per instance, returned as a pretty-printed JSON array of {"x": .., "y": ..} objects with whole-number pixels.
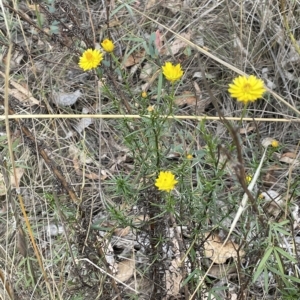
[{"x": 80, "y": 217}]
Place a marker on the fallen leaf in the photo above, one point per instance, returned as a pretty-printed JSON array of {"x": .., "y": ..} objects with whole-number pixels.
[
  {"x": 247, "y": 129},
  {"x": 217, "y": 271},
  {"x": 146, "y": 85},
  {"x": 146, "y": 72},
  {"x": 22, "y": 97},
  {"x": 122, "y": 231},
  {"x": 125, "y": 269},
  {"x": 158, "y": 41},
  {"x": 174, "y": 5},
  {"x": 76, "y": 153},
  {"x": 34, "y": 7},
  {"x": 140, "y": 220},
  {"x": 150, "y": 3},
  {"x": 178, "y": 44},
  {"x": 289, "y": 154},
  {"x": 21, "y": 93},
  {"x": 134, "y": 59},
  {"x": 3, "y": 188},
  {"x": 275, "y": 203},
  {"x": 213, "y": 249},
  {"x": 19, "y": 174},
  {"x": 8, "y": 290},
  {"x": 288, "y": 160},
  {"x": 197, "y": 89},
  {"x": 272, "y": 175},
  {"x": 66, "y": 99},
  {"x": 186, "y": 98}
]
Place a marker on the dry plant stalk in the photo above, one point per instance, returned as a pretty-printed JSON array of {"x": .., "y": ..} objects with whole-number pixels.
[{"x": 47, "y": 159}]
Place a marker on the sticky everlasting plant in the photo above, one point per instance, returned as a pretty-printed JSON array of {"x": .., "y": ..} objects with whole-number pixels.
[
  {"x": 171, "y": 72},
  {"x": 166, "y": 181},
  {"x": 90, "y": 59},
  {"x": 246, "y": 89},
  {"x": 108, "y": 45}
]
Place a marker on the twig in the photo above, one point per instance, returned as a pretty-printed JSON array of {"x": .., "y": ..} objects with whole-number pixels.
[{"x": 108, "y": 274}]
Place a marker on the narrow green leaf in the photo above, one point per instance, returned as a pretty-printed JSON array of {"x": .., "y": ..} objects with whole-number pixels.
[
  {"x": 279, "y": 263},
  {"x": 159, "y": 86},
  {"x": 262, "y": 263},
  {"x": 285, "y": 254},
  {"x": 292, "y": 278},
  {"x": 266, "y": 279}
]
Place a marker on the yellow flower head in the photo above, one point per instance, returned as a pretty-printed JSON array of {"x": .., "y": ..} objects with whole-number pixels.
[
  {"x": 165, "y": 181},
  {"x": 246, "y": 89},
  {"x": 274, "y": 143},
  {"x": 90, "y": 59},
  {"x": 144, "y": 94},
  {"x": 171, "y": 72},
  {"x": 150, "y": 108},
  {"x": 189, "y": 156},
  {"x": 108, "y": 45},
  {"x": 248, "y": 179}
]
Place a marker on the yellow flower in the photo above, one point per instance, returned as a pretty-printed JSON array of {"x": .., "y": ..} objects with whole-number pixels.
[
  {"x": 150, "y": 108},
  {"x": 274, "y": 143},
  {"x": 144, "y": 94},
  {"x": 248, "y": 179},
  {"x": 90, "y": 59},
  {"x": 246, "y": 89},
  {"x": 171, "y": 72},
  {"x": 189, "y": 156},
  {"x": 165, "y": 181},
  {"x": 108, "y": 45}
]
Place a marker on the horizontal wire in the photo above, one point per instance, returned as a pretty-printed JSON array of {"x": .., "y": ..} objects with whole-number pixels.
[{"x": 101, "y": 116}]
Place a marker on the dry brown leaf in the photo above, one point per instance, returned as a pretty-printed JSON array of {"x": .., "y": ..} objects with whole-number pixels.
[
  {"x": 150, "y": 3},
  {"x": 174, "y": 5},
  {"x": 138, "y": 220},
  {"x": 19, "y": 96},
  {"x": 134, "y": 59},
  {"x": 92, "y": 176},
  {"x": 122, "y": 231},
  {"x": 178, "y": 44},
  {"x": 158, "y": 42},
  {"x": 2, "y": 185},
  {"x": 125, "y": 269},
  {"x": 3, "y": 188},
  {"x": 213, "y": 249},
  {"x": 19, "y": 174},
  {"x": 289, "y": 154},
  {"x": 76, "y": 153},
  {"x": 21, "y": 93},
  {"x": 289, "y": 160},
  {"x": 218, "y": 271},
  {"x": 273, "y": 209},
  {"x": 272, "y": 175},
  {"x": 34, "y": 7},
  {"x": 8, "y": 291},
  {"x": 197, "y": 89},
  {"x": 146, "y": 85},
  {"x": 186, "y": 98},
  {"x": 248, "y": 128},
  {"x": 146, "y": 72}
]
